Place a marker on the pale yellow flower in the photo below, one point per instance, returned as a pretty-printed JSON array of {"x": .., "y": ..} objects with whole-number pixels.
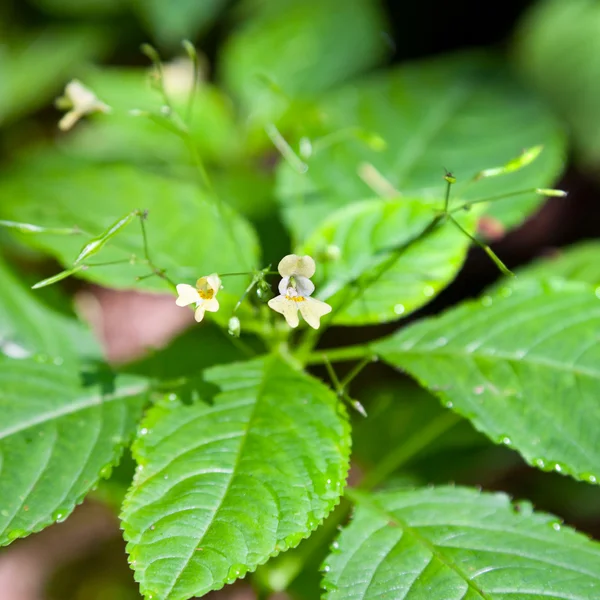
[
  {"x": 203, "y": 295},
  {"x": 295, "y": 291},
  {"x": 81, "y": 101}
]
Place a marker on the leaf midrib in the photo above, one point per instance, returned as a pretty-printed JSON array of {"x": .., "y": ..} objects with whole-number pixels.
[{"x": 72, "y": 408}]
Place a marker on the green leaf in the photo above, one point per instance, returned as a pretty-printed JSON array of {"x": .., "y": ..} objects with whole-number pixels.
[
  {"x": 463, "y": 113},
  {"x": 522, "y": 365},
  {"x": 556, "y": 50},
  {"x": 57, "y": 438},
  {"x": 169, "y": 22},
  {"x": 30, "y": 328},
  {"x": 319, "y": 43},
  {"x": 580, "y": 262},
  {"x": 33, "y": 69},
  {"x": 185, "y": 232},
  {"x": 450, "y": 543},
  {"x": 223, "y": 486},
  {"x": 389, "y": 263}
]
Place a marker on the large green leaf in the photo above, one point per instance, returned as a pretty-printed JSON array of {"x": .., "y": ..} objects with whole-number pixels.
[
  {"x": 463, "y": 113},
  {"x": 57, "y": 438},
  {"x": 223, "y": 486},
  {"x": 301, "y": 46},
  {"x": 457, "y": 543},
  {"x": 580, "y": 262},
  {"x": 33, "y": 69},
  {"x": 522, "y": 365},
  {"x": 30, "y": 328},
  {"x": 185, "y": 231},
  {"x": 557, "y": 49},
  {"x": 389, "y": 263}
]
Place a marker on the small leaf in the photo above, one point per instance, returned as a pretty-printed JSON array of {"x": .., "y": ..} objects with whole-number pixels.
[
  {"x": 525, "y": 158},
  {"x": 57, "y": 438},
  {"x": 394, "y": 256},
  {"x": 450, "y": 543},
  {"x": 223, "y": 486},
  {"x": 56, "y": 278},
  {"x": 522, "y": 365}
]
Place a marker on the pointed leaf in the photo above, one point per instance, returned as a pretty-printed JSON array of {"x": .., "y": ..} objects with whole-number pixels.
[
  {"x": 522, "y": 365},
  {"x": 221, "y": 487},
  {"x": 57, "y": 438},
  {"x": 457, "y": 543}
]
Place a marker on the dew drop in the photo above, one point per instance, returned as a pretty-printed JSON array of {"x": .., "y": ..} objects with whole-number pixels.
[
  {"x": 506, "y": 292},
  {"x": 505, "y": 440},
  {"x": 172, "y": 397},
  {"x": 440, "y": 342},
  {"x": 448, "y": 404},
  {"x": 478, "y": 390},
  {"x": 326, "y": 568},
  {"x": 589, "y": 477},
  {"x": 539, "y": 462},
  {"x": 472, "y": 346},
  {"x": 166, "y": 477},
  {"x": 335, "y": 545},
  {"x": 143, "y": 431},
  {"x": 60, "y": 515},
  {"x": 57, "y": 360},
  {"x": 558, "y": 468},
  {"x": 428, "y": 291},
  {"x": 16, "y": 533},
  {"x": 13, "y": 350},
  {"x": 598, "y": 292},
  {"x": 399, "y": 309},
  {"x": 487, "y": 301},
  {"x": 556, "y": 526}
]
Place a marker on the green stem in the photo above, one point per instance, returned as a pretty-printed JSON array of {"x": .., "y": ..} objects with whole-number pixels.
[
  {"x": 339, "y": 355},
  {"x": 412, "y": 446},
  {"x": 356, "y": 370},
  {"x": 468, "y": 205},
  {"x": 503, "y": 268},
  {"x": 285, "y": 149}
]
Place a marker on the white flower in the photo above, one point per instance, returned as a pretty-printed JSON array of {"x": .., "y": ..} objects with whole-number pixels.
[
  {"x": 179, "y": 77},
  {"x": 295, "y": 289},
  {"x": 203, "y": 295},
  {"x": 81, "y": 101}
]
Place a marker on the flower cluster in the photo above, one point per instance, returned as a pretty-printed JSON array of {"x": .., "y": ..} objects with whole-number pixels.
[{"x": 295, "y": 289}]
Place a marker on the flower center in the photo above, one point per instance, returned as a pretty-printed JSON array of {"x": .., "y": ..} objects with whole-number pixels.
[
  {"x": 293, "y": 295},
  {"x": 206, "y": 293}
]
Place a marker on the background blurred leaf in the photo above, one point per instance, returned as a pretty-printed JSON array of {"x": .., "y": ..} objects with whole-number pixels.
[
  {"x": 171, "y": 22},
  {"x": 522, "y": 365},
  {"x": 557, "y": 50},
  {"x": 35, "y": 68},
  {"x": 301, "y": 46},
  {"x": 463, "y": 113},
  {"x": 30, "y": 328},
  {"x": 57, "y": 438},
  {"x": 89, "y": 8},
  {"x": 223, "y": 486},
  {"x": 457, "y": 542},
  {"x": 185, "y": 233},
  {"x": 580, "y": 262},
  {"x": 388, "y": 264}
]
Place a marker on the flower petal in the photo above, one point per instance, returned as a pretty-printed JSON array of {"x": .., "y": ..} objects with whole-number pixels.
[
  {"x": 288, "y": 308},
  {"x": 293, "y": 264},
  {"x": 199, "y": 313},
  {"x": 214, "y": 281},
  {"x": 312, "y": 310},
  {"x": 284, "y": 284},
  {"x": 211, "y": 305},
  {"x": 304, "y": 286},
  {"x": 187, "y": 295}
]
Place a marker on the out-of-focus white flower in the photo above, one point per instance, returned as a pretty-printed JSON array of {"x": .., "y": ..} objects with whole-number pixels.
[
  {"x": 203, "y": 295},
  {"x": 79, "y": 101},
  {"x": 178, "y": 77},
  {"x": 295, "y": 289}
]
